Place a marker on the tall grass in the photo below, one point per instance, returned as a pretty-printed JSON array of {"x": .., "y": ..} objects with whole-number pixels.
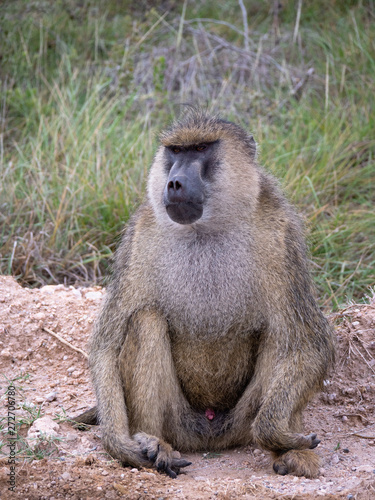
[{"x": 85, "y": 90}]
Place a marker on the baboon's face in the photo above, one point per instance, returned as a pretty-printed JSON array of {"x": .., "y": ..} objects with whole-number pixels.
[{"x": 189, "y": 170}]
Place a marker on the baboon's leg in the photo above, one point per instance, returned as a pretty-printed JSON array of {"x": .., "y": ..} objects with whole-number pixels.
[
  {"x": 290, "y": 382},
  {"x": 157, "y": 410},
  {"x": 270, "y": 410}
]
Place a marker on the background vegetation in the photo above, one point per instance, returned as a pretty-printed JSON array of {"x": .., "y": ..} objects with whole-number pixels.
[{"x": 86, "y": 86}]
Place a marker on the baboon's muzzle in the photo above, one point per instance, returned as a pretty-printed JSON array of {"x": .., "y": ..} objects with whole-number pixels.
[{"x": 183, "y": 193}]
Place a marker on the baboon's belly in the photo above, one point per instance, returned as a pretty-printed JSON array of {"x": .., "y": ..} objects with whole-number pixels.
[{"x": 213, "y": 373}]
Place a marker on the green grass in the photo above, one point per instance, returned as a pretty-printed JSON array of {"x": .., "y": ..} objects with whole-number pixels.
[{"x": 86, "y": 87}]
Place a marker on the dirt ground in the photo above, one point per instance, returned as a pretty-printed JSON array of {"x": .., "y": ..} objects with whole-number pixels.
[{"x": 58, "y": 461}]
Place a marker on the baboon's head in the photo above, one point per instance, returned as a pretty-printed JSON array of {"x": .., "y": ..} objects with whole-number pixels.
[{"x": 203, "y": 165}]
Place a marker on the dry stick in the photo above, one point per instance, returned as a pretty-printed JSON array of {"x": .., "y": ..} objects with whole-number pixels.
[
  {"x": 362, "y": 356},
  {"x": 357, "y": 433},
  {"x": 296, "y": 27},
  {"x": 245, "y": 25},
  {"x": 63, "y": 341}
]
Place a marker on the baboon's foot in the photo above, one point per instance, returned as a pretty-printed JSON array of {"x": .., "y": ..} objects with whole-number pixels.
[
  {"x": 298, "y": 462},
  {"x": 160, "y": 454}
]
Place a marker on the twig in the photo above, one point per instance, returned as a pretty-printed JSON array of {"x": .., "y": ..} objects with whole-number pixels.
[
  {"x": 215, "y": 21},
  {"x": 362, "y": 356},
  {"x": 63, "y": 341},
  {"x": 338, "y": 415},
  {"x": 181, "y": 26},
  {"x": 245, "y": 25},
  {"x": 296, "y": 27},
  {"x": 298, "y": 89},
  {"x": 357, "y": 433},
  {"x": 363, "y": 437}
]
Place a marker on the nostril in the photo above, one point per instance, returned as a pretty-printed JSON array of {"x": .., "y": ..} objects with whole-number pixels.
[{"x": 174, "y": 185}]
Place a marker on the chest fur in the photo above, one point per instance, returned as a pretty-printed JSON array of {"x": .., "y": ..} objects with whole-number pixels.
[{"x": 207, "y": 286}]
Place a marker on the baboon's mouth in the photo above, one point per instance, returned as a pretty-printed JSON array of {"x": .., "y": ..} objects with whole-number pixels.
[{"x": 184, "y": 212}]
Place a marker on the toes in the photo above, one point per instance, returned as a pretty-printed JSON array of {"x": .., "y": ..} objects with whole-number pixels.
[
  {"x": 180, "y": 462},
  {"x": 314, "y": 441},
  {"x": 170, "y": 473},
  {"x": 280, "y": 468},
  {"x": 163, "y": 466},
  {"x": 160, "y": 454}
]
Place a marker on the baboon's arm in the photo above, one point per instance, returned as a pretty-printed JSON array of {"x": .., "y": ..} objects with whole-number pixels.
[
  {"x": 111, "y": 407},
  {"x": 136, "y": 363}
]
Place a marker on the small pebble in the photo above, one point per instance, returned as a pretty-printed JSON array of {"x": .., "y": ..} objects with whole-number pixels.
[
  {"x": 93, "y": 295},
  {"x": 51, "y": 396}
]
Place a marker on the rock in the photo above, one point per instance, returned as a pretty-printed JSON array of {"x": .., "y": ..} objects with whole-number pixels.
[
  {"x": 51, "y": 396},
  {"x": 77, "y": 294},
  {"x": 70, "y": 437},
  {"x": 94, "y": 295},
  {"x": 66, "y": 476},
  {"x": 5, "y": 353},
  {"x": 44, "y": 426},
  {"x": 39, "y": 315}
]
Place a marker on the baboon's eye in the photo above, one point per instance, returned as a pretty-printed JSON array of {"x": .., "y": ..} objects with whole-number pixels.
[
  {"x": 175, "y": 149},
  {"x": 201, "y": 147}
]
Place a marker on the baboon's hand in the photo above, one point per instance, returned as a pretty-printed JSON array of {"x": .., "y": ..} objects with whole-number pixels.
[
  {"x": 127, "y": 451},
  {"x": 160, "y": 454}
]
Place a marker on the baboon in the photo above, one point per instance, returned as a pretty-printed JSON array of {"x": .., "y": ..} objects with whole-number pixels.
[{"x": 209, "y": 336}]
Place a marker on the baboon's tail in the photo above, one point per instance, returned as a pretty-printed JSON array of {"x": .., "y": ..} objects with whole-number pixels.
[{"x": 89, "y": 417}]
